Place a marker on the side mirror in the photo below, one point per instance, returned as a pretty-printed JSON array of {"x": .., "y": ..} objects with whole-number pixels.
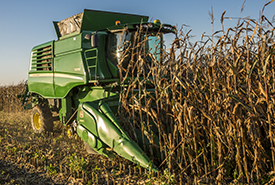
[{"x": 94, "y": 40}]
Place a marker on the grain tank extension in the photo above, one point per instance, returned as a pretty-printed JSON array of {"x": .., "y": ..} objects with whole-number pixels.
[{"x": 76, "y": 77}]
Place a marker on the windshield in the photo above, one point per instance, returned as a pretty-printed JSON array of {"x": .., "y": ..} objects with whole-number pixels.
[{"x": 124, "y": 46}]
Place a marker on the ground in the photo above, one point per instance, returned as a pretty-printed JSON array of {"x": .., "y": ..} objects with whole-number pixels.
[{"x": 53, "y": 158}]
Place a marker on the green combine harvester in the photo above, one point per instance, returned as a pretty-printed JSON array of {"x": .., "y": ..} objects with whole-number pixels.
[{"x": 77, "y": 76}]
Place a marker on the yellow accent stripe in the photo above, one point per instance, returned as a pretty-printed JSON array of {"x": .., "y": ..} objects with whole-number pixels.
[
  {"x": 67, "y": 76},
  {"x": 55, "y": 75},
  {"x": 41, "y": 75}
]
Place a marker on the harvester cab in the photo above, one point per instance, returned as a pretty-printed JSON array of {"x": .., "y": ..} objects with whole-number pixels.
[{"x": 77, "y": 76}]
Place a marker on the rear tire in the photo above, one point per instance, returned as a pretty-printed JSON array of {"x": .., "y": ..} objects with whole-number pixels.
[{"x": 41, "y": 119}]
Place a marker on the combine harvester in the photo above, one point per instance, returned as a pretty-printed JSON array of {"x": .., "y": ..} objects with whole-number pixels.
[{"x": 77, "y": 76}]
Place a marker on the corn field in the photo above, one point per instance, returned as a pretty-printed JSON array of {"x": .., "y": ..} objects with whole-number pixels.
[
  {"x": 211, "y": 113},
  {"x": 8, "y": 97}
]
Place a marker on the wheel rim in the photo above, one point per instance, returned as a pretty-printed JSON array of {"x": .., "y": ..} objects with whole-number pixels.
[
  {"x": 37, "y": 121},
  {"x": 69, "y": 132}
]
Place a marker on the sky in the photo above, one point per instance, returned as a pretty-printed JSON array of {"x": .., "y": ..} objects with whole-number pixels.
[{"x": 27, "y": 23}]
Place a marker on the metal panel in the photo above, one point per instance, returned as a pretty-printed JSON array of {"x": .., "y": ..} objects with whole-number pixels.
[
  {"x": 70, "y": 25},
  {"x": 40, "y": 79},
  {"x": 93, "y": 20}
]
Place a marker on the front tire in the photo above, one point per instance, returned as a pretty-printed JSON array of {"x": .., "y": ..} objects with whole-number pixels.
[{"x": 41, "y": 119}]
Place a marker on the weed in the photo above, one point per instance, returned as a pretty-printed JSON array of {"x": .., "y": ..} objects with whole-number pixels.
[
  {"x": 26, "y": 146},
  {"x": 114, "y": 172},
  {"x": 165, "y": 179},
  {"x": 43, "y": 158},
  {"x": 168, "y": 177},
  {"x": 76, "y": 164},
  {"x": 51, "y": 170},
  {"x": 14, "y": 150},
  {"x": 96, "y": 168},
  {"x": 36, "y": 155}
]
